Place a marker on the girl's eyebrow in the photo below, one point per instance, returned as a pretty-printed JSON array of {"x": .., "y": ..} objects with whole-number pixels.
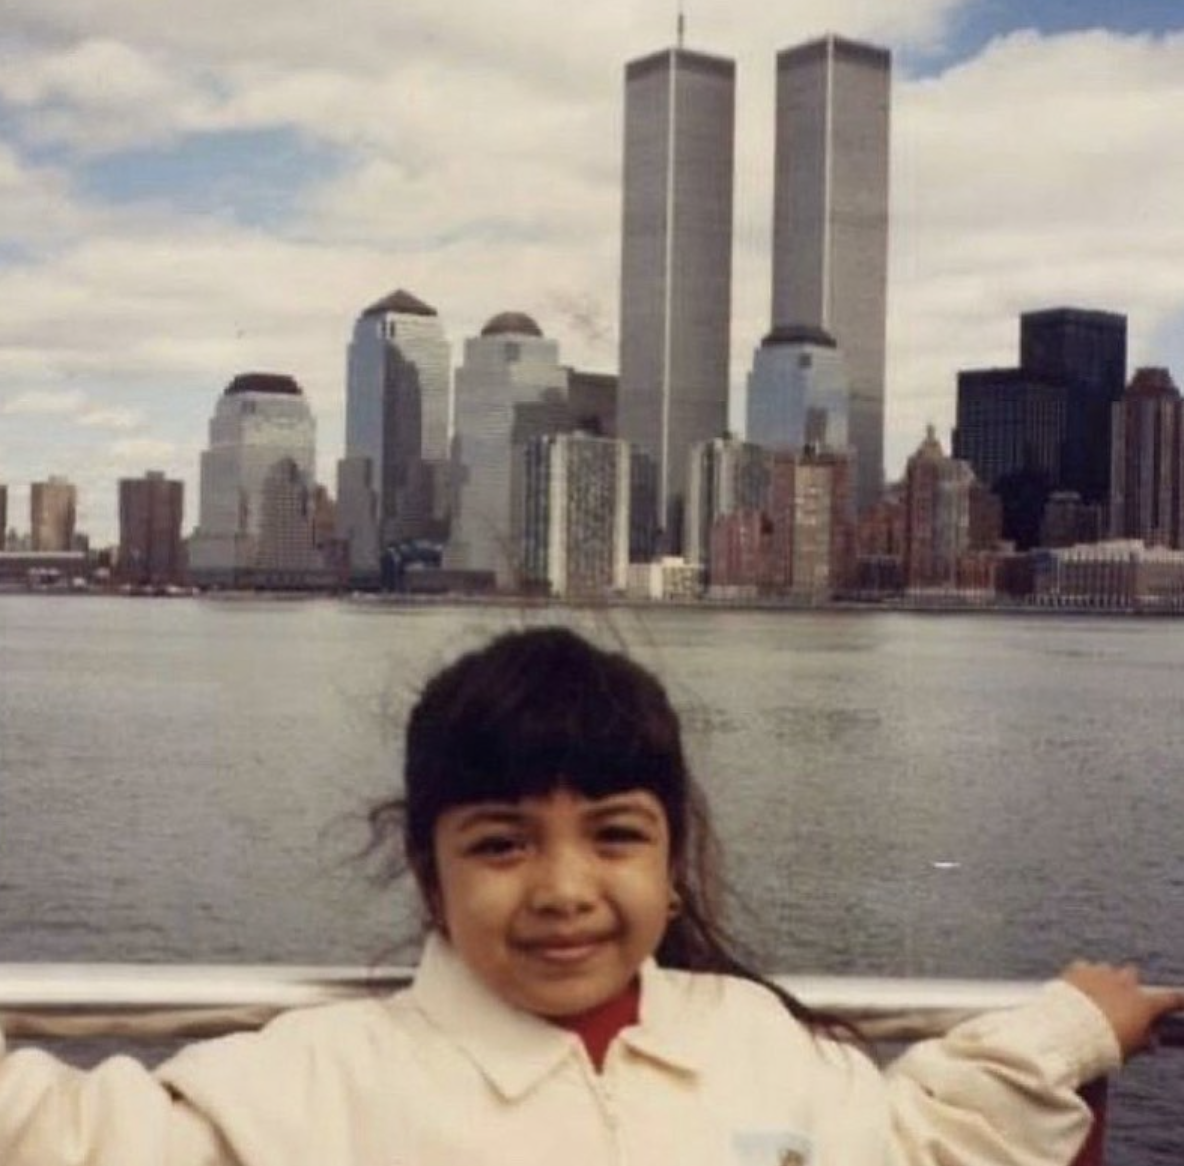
[
  {"x": 624, "y": 804},
  {"x": 491, "y": 814}
]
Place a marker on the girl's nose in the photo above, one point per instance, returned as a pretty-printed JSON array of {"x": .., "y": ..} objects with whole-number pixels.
[{"x": 563, "y": 883}]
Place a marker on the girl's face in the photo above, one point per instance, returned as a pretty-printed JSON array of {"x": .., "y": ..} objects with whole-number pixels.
[{"x": 555, "y": 901}]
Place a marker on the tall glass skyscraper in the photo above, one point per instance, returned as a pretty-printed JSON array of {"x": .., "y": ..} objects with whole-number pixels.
[
  {"x": 398, "y": 414},
  {"x": 830, "y": 220},
  {"x": 676, "y": 266}
]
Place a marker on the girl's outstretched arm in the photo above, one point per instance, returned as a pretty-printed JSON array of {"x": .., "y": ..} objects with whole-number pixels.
[{"x": 1002, "y": 1088}]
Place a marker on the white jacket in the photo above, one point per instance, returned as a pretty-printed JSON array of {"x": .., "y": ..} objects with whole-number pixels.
[{"x": 716, "y": 1073}]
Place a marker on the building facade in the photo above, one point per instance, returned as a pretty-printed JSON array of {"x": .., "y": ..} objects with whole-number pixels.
[
  {"x": 830, "y": 220},
  {"x": 259, "y": 420},
  {"x": 53, "y": 508},
  {"x": 291, "y": 550},
  {"x": 151, "y": 510},
  {"x": 398, "y": 415},
  {"x": 812, "y": 514},
  {"x": 508, "y": 369},
  {"x": 724, "y": 475},
  {"x": 948, "y": 516},
  {"x": 676, "y": 269},
  {"x": 575, "y": 526},
  {"x": 1011, "y": 428},
  {"x": 1147, "y": 461}
]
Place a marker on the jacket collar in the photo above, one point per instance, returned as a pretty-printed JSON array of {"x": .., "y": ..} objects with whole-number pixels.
[{"x": 516, "y": 1050}]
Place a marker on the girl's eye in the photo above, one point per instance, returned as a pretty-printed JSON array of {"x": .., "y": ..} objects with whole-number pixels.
[
  {"x": 495, "y": 846},
  {"x": 621, "y": 835}
]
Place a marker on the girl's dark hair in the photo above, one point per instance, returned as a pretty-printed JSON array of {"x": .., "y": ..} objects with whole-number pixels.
[{"x": 542, "y": 708}]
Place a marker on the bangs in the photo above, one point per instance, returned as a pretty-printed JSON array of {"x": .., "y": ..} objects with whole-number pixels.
[
  {"x": 534, "y": 712},
  {"x": 582, "y": 741}
]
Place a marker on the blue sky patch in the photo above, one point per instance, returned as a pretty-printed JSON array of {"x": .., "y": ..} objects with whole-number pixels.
[
  {"x": 978, "y": 23},
  {"x": 250, "y": 177}
]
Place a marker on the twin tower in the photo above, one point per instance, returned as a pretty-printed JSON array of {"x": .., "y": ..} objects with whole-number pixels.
[{"x": 830, "y": 244}]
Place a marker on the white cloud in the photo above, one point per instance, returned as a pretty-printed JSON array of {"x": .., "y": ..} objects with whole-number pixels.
[
  {"x": 44, "y": 403},
  {"x": 111, "y": 418},
  {"x": 136, "y": 451},
  {"x": 102, "y": 94}
]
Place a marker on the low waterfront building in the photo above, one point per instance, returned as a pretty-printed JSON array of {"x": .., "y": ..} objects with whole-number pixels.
[
  {"x": 151, "y": 551},
  {"x": 1122, "y": 574},
  {"x": 52, "y": 509},
  {"x": 670, "y": 577}
]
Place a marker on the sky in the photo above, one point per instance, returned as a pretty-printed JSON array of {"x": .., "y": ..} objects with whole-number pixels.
[{"x": 183, "y": 199}]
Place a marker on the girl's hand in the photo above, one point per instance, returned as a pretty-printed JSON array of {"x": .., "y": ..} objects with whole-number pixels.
[{"x": 1131, "y": 1009}]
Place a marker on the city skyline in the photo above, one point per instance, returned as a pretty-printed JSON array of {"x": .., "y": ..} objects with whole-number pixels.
[{"x": 228, "y": 203}]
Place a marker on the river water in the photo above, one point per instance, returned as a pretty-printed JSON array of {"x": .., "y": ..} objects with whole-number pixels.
[{"x": 982, "y": 796}]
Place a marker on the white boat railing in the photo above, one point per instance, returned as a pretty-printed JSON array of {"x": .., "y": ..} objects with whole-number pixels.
[{"x": 139, "y": 1002}]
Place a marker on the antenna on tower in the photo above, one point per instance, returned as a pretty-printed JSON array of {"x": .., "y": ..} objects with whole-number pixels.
[{"x": 682, "y": 25}]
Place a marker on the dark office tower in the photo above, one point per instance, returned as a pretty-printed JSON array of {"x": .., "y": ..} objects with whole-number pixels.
[
  {"x": 830, "y": 221},
  {"x": 676, "y": 267},
  {"x": 592, "y": 398},
  {"x": 1085, "y": 352},
  {"x": 1011, "y": 429},
  {"x": 1146, "y": 490},
  {"x": 150, "y": 530}
]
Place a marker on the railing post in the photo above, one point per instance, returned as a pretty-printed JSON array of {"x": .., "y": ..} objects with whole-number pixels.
[{"x": 1092, "y": 1153}]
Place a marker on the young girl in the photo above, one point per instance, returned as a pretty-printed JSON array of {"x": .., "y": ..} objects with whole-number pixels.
[{"x": 577, "y": 1002}]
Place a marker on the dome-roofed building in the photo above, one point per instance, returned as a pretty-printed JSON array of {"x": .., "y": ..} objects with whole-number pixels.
[
  {"x": 401, "y": 302},
  {"x": 263, "y": 382},
  {"x": 512, "y": 324},
  {"x": 260, "y": 419},
  {"x": 510, "y": 387}
]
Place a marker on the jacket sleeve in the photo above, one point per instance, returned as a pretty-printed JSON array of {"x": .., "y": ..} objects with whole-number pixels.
[
  {"x": 117, "y": 1114},
  {"x": 1001, "y": 1089}
]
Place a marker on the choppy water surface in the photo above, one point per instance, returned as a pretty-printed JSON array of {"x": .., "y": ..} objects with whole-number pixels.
[{"x": 983, "y": 796}]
